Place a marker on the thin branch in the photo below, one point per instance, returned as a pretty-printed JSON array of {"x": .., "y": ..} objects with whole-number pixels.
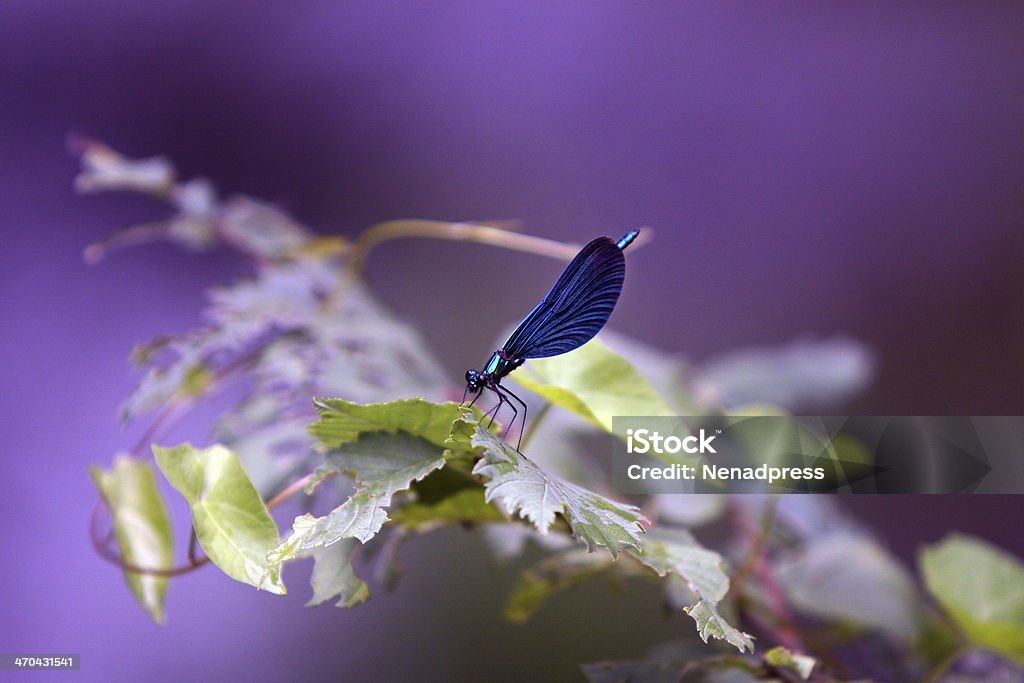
[
  {"x": 785, "y": 627},
  {"x": 494, "y": 233},
  {"x": 295, "y": 487},
  {"x": 786, "y": 631},
  {"x": 166, "y": 417},
  {"x": 101, "y": 542},
  {"x": 193, "y": 543},
  {"x": 176, "y": 406}
]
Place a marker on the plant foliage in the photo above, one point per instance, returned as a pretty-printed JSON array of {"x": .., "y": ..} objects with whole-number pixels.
[{"x": 342, "y": 406}]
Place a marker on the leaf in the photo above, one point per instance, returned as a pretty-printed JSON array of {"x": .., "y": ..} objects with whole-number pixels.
[
  {"x": 711, "y": 624},
  {"x": 852, "y": 580},
  {"x": 285, "y": 296},
  {"x": 334, "y": 576},
  {"x": 802, "y": 374},
  {"x": 666, "y": 371},
  {"x": 595, "y": 383},
  {"x": 982, "y": 589},
  {"x": 232, "y": 524},
  {"x": 781, "y": 658},
  {"x": 342, "y": 421},
  {"x": 142, "y": 528},
  {"x": 259, "y": 229},
  {"x": 382, "y": 465},
  {"x": 525, "y": 488},
  {"x": 385, "y": 447},
  {"x": 184, "y": 375},
  {"x": 465, "y": 506},
  {"x": 103, "y": 169},
  {"x": 551, "y": 575},
  {"x": 674, "y": 551}
]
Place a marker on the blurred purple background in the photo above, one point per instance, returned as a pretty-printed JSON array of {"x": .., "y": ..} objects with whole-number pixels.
[{"x": 810, "y": 169}]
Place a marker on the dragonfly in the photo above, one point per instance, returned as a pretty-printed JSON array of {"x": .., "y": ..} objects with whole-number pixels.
[{"x": 571, "y": 314}]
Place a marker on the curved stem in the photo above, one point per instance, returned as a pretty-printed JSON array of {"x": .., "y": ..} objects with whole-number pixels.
[
  {"x": 193, "y": 542},
  {"x": 783, "y": 624},
  {"x": 496, "y": 234},
  {"x": 101, "y": 542},
  {"x": 295, "y": 487},
  {"x": 785, "y": 628},
  {"x": 170, "y": 412}
]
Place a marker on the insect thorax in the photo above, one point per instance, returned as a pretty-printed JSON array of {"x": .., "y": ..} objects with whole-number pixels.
[{"x": 499, "y": 365}]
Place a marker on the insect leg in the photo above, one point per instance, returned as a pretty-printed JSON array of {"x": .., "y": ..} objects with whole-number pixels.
[
  {"x": 478, "y": 393},
  {"x": 515, "y": 413},
  {"x": 522, "y": 427},
  {"x": 494, "y": 412}
]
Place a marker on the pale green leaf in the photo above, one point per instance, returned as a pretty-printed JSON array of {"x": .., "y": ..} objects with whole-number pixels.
[
  {"x": 342, "y": 422},
  {"x": 674, "y": 551},
  {"x": 595, "y": 383},
  {"x": 142, "y": 527},
  {"x": 382, "y": 465},
  {"x": 334, "y": 577},
  {"x": 232, "y": 524},
  {"x": 711, "y": 624},
  {"x": 982, "y": 589},
  {"x": 538, "y": 496},
  {"x": 853, "y": 580},
  {"x": 781, "y": 658},
  {"x": 463, "y": 506}
]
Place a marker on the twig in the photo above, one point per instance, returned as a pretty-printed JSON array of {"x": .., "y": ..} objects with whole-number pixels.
[
  {"x": 295, "y": 487},
  {"x": 101, "y": 542},
  {"x": 495, "y": 234}
]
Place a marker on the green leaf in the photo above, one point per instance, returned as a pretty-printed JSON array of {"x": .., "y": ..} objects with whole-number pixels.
[
  {"x": 525, "y": 488},
  {"x": 142, "y": 527},
  {"x": 382, "y": 465},
  {"x": 595, "y": 383},
  {"x": 464, "y": 506},
  {"x": 781, "y": 658},
  {"x": 551, "y": 575},
  {"x": 232, "y": 524},
  {"x": 334, "y": 577},
  {"x": 982, "y": 589},
  {"x": 342, "y": 422},
  {"x": 852, "y": 580},
  {"x": 674, "y": 551}
]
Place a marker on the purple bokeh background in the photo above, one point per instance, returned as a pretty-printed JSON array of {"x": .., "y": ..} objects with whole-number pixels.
[{"x": 809, "y": 169}]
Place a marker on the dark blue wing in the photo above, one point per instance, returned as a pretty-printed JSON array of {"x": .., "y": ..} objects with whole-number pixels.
[{"x": 576, "y": 308}]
